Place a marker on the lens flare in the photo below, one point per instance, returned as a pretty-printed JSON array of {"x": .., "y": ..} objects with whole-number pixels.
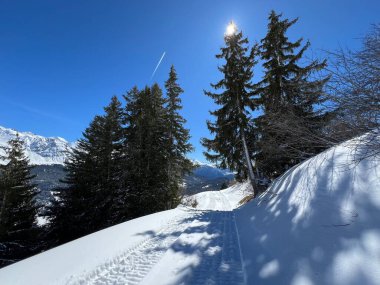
[{"x": 231, "y": 29}]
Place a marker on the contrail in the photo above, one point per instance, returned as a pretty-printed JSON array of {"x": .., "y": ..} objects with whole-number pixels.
[{"x": 158, "y": 64}]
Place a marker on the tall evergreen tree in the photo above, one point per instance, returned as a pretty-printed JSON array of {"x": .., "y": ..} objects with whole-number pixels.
[
  {"x": 229, "y": 148},
  {"x": 94, "y": 194},
  {"x": 113, "y": 190},
  {"x": 134, "y": 148},
  {"x": 148, "y": 150},
  {"x": 179, "y": 146},
  {"x": 290, "y": 128},
  {"x": 18, "y": 208}
]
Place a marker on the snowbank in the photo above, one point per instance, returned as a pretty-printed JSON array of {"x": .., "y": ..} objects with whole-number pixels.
[{"x": 318, "y": 224}]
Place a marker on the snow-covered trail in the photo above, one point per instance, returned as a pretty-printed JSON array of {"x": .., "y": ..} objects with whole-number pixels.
[
  {"x": 213, "y": 200},
  {"x": 135, "y": 263},
  {"x": 179, "y": 246},
  {"x": 197, "y": 247},
  {"x": 206, "y": 253}
]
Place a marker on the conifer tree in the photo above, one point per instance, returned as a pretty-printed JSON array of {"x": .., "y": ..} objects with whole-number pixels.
[
  {"x": 156, "y": 149},
  {"x": 290, "y": 128},
  {"x": 18, "y": 208},
  {"x": 134, "y": 148},
  {"x": 148, "y": 150},
  {"x": 94, "y": 194},
  {"x": 72, "y": 212},
  {"x": 229, "y": 148},
  {"x": 179, "y": 146},
  {"x": 111, "y": 154}
]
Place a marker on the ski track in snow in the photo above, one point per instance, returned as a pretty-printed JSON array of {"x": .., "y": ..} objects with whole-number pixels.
[
  {"x": 219, "y": 259},
  {"x": 133, "y": 265}
]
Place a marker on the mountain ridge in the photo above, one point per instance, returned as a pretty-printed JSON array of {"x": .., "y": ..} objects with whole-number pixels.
[{"x": 40, "y": 150}]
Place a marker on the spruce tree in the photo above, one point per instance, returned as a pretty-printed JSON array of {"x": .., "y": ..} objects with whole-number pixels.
[
  {"x": 229, "y": 148},
  {"x": 290, "y": 128},
  {"x": 72, "y": 212},
  {"x": 179, "y": 146},
  {"x": 18, "y": 208},
  {"x": 134, "y": 149},
  {"x": 111, "y": 154},
  {"x": 94, "y": 195},
  {"x": 148, "y": 150}
]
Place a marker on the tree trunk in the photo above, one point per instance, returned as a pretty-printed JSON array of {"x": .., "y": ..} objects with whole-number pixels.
[{"x": 251, "y": 175}]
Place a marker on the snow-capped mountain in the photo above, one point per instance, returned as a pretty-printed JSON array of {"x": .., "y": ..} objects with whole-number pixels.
[
  {"x": 206, "y": 177},
  {"x": 40, "y": 150},
  {"x": 210, "y": 171}
]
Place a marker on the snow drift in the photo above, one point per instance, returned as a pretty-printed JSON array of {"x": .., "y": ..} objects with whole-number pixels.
[{"x": 318, "y": 224}]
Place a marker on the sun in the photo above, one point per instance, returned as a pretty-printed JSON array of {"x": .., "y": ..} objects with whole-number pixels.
[{"x": 231, "y": 29}]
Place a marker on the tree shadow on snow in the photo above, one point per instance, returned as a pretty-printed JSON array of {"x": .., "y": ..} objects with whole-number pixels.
[
  {"x": 209, "y": 247},
  {"x": 302, "y": 236}
]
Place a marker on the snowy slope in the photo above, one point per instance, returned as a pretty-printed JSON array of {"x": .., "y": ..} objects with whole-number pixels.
[
  {"x": 63, "y": 264},
  {"x": 40, "y": 150},
  {"x": 178, "y": 246},
  {"x": 319, "y": 224},
  {"x": 171, "y": 247}
]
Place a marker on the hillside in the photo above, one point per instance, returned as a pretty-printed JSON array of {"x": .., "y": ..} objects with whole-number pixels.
[{"x": 317, "y": 224}]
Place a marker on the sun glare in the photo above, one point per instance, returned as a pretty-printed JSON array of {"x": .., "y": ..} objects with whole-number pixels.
[{"x": 231, "y": 29}]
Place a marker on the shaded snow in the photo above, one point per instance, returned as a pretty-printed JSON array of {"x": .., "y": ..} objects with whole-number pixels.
[{"x": 318, "y": 224}]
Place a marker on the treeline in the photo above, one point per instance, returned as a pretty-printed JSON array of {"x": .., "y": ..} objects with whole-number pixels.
[
  {"x": 129, "y": 163},
  {"x": 266, "y": 125}
]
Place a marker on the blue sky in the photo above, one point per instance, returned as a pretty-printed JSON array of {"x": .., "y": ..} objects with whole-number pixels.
[{"x": 62, "y": 60}]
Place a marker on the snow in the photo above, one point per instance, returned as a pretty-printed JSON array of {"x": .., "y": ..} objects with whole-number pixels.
[
  {"x": 224, "y": 200},
  {"x": 184, "y": 245},
  {"x": 70, "y": 262},
  {"x": 40, "y": 150},
  {"x": 204, "y": 254},
  {"x": 318, "y": 224},
  {"x": 41, "y": 221}
]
